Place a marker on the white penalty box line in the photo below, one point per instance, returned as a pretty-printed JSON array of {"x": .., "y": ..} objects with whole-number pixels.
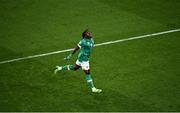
[{"x": 100, "y": 44}]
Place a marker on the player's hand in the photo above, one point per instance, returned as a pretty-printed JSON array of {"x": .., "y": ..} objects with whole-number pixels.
[{"x": 68, "y": 57}]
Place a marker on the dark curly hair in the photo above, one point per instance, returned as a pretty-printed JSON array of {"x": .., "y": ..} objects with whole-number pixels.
[{"x": 84, "y": 33}]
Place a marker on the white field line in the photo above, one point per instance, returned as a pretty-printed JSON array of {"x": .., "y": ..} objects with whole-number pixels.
[{"x": 100, "y": 44}]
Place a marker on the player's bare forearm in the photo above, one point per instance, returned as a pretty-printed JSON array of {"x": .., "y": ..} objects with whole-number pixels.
[
  {"x": 75, "y": 49},
  {"x": 73, "y": 52}
]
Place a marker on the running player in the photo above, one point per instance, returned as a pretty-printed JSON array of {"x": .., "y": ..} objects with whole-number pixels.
[{"x": 85, "y": 46}]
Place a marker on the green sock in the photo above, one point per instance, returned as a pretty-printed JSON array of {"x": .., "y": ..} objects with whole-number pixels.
[
  {"x": 68, "y": 67},
  {"x": 89, "y": 81}
]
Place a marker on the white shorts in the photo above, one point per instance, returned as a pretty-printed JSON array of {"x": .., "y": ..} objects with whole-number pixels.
[{"x": 84, "y": 65}]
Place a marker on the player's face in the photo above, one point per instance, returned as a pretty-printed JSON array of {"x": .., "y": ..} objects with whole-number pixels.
[{"x": 88, "y": 34}]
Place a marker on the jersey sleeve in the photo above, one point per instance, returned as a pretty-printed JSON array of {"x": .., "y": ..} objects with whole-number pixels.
[{"x": 80, "y": 44}]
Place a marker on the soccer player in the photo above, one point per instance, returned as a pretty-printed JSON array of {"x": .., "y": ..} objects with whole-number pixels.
[{"x": 85, "y": 46}]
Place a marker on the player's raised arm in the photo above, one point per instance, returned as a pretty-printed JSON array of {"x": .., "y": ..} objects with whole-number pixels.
[{"x": 73, "y": 52}]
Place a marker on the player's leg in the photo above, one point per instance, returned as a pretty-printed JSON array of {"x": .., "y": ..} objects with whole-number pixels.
[
  {"x": 76, "y": 67},
  {"x": 67, "y": 67},
  {"x": 89, "y": 79},
  {"x": 70, "y": 67},
  {"x": 86, "y": 69}
]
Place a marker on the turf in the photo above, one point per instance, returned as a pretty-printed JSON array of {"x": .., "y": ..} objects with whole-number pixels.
[{"x": 138, "y": 75}]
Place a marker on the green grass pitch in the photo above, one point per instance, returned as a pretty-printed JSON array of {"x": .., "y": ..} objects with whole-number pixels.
[{"x": 137, "y": 75}]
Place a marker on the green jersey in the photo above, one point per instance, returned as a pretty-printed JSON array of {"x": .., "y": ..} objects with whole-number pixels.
[{"x": 86, "y": 46}]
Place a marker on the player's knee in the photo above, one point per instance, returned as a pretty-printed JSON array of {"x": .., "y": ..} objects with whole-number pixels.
[
  {"x": 87, "y": 72},
  {"x": 76, "y": 68}
]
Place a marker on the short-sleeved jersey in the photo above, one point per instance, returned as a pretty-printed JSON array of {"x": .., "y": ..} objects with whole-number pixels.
[{"x": 86, "y": 45}]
